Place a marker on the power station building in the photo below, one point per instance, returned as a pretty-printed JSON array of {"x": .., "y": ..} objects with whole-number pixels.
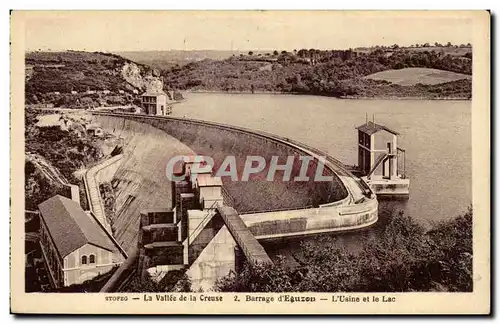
[{"x": 74, "y": 246}]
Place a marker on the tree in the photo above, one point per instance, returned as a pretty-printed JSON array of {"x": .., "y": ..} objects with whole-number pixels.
[
  {"x": 402, "y": 257},
  {"x": 302, "y": 53},
  {"x": 448, "y": 44},
  {"x": 275, "y": 53},
  {"x": 250, "y": 53}
]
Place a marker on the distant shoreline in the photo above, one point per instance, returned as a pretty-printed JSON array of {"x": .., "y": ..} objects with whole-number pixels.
[{"x": 343, "y": 97}]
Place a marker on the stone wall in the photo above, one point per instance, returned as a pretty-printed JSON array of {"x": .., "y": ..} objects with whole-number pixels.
[{"x": 219, "y": 141}]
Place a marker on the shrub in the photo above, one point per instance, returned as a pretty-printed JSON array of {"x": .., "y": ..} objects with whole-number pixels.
[{"x": 403, "y": 257}]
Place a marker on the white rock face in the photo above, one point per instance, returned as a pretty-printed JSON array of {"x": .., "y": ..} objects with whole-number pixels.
[
  {"x": 153, "y": 84},
  {"x": 132, "y": 74}
]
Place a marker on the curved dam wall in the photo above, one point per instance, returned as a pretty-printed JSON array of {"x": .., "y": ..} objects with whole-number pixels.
[
  {"x": 219, "y": 141},
  {"x": 139, "y": 181}
]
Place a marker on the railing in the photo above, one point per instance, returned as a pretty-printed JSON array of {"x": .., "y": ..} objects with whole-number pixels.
[
  {"x": 258, "y": 211},
  {"x": 227, "y": 198},
  {"x": 353, "y": 209}
]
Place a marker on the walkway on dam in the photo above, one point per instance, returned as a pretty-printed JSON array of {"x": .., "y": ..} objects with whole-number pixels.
[
  {"x": 92, "y": 190},
  {"x": 254, "y": 252}
]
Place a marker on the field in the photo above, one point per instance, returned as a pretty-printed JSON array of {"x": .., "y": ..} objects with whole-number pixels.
[
  {"x": 453, "y": 51},
  {"x": 412, "y": 76},
  {"x": 168, "y": 59},
  {"x": 444, "y": 50}
]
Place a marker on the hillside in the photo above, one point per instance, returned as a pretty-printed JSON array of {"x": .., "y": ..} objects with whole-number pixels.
[
  {"x": 331, "y": 73},
  {"x": 412, "y": 76},
  {"x": 453, "y": 50},
  {"x": 84, "y": 79},
  {"x": 168, "y": 59}
]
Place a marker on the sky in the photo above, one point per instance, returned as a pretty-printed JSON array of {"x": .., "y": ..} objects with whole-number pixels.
[{"x": 112, "y": 31}]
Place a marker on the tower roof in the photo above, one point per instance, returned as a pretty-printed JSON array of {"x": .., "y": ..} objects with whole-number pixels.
[{"x": 371, "y": 128}]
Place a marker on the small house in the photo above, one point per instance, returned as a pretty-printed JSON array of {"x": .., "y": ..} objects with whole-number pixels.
[
  {"x": 94, "y": 130},
  {"x": 155, "y": 103},
  {"x": 380, "y": 160}
]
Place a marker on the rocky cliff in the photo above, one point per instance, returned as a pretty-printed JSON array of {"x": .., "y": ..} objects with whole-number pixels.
[{"x": 83, "y": 79}]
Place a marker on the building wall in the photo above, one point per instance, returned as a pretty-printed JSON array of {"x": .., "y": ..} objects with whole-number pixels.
[
  {"x": 161, "y": 105},
  {"x": 51, "y": 256},
  {"x": 162, "y": 100},
  {"x": 364, "y": 158},
  {"x": 76, "y": 272},
  {"x": 155, "y": 105},
  {"x": 215, "y": 261},
  {"x": 219, "y": 142},
  {"x": 381, "y": 139}
]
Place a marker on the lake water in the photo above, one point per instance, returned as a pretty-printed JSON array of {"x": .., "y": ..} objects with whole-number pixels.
[{"x": 436, "y": 135}]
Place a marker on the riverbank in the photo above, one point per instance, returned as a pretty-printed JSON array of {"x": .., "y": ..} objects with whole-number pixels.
[{"x": 351, "y": 97}]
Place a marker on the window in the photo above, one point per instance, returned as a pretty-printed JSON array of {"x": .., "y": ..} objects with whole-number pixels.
[
  {"x": 84, "y": 259},
  {"x": 92, "y": 259}
]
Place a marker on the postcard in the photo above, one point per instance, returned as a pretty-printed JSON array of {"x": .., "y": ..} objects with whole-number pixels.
[{"x": 250, "y": 162}]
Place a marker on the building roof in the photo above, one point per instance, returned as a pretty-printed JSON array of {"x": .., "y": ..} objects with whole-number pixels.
[
  {"x": 207, "y": 180},
  {"x": 371, "y": 128},
  {"x": 70, "y": 227}
]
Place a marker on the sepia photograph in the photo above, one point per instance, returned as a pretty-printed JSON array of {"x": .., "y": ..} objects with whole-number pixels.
[{"x": 250, "y": 162}]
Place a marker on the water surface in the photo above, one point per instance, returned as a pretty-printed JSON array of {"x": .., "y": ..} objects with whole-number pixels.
[{"x": 435, "y": 133}]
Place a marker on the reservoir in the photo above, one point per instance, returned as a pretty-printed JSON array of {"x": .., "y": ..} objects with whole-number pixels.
[{"x": 436, "y": 135}]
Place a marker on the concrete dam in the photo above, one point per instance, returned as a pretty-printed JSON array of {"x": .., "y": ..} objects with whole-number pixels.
[
  {"x": 256, "y": 209},
  {"x": 270, "y": 209}
]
